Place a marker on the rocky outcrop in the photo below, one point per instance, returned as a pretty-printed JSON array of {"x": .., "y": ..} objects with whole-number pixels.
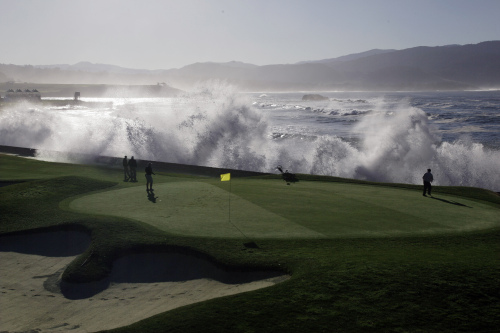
[{"x": 314, "y": 97}]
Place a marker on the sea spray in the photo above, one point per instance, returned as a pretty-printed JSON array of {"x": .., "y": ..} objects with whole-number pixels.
[
  {"x": 218, "y": 127},
  {"x": 214, "y": 125},
  {"x": 396, "y": 145},
  {"x": 464, "y": 163},
  {"x": 399, "y": 146}
]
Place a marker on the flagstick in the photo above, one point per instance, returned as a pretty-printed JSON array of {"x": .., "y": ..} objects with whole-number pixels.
[
  {"x": 249, "y": 244},
  {"x": 230, "y": 199}
]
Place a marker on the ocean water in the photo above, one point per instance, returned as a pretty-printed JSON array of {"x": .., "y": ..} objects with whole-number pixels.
[{"x": 390, "y": 137}]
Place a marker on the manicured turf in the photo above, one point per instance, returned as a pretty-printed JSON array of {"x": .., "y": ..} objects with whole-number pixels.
[
  {"x": 304, "y": 210},
  {"x": 427, "y": 281},
  {"x": 193, "y": 208}
]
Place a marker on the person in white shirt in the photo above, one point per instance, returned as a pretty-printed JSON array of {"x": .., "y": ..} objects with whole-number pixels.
[{"x": 428, "y": 178}]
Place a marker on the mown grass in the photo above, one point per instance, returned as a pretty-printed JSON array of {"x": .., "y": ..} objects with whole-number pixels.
[
  {"x": 267, "y": 209},
  {"x": 440, "y": 283}
]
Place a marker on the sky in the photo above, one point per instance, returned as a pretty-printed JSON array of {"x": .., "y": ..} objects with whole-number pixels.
[{"x": 164, "y": 34}]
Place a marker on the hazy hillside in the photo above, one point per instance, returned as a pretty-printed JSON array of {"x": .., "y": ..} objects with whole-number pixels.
[
  {"x": 473, "y": 65},
  {"x": 56, "y": 75},
  {"x": 452, "y": 67},
  {"x": 86, "y": 66},
  {"x": 348, "y": 57}
]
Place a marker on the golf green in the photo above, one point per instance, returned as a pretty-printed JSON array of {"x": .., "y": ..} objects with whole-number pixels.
[{"x": 258, "y": 208}]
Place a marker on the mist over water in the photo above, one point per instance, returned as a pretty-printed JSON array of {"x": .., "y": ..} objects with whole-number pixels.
[{"x": 375, "y": 138}]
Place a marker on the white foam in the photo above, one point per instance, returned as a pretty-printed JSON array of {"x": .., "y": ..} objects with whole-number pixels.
[{"x": 216, "y": 126}]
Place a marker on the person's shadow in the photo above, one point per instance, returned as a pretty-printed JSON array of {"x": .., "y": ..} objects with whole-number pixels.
[
  {"x": 450, "y": 202},
  {"x": 151, "y": 196}
]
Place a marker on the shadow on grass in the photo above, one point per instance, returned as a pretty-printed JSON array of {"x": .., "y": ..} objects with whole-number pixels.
[
  {"x": 166, "y": 267},
  {"x": 450, "y": 202},
  {"x": 50, "y": 244},
  {"x": 10, "y": 182},
  {"x": 151, "y": 196}
]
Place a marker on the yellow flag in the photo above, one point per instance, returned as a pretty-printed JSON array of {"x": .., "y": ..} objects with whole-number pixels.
[{"x": 225, "y": 177}]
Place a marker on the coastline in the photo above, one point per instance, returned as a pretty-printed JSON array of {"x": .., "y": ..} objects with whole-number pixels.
[
  {"x": 57, "y": 103},
  {"x": 116, "y": 162}
]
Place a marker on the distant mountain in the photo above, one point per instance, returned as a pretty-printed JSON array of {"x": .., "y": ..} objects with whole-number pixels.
[
  {"x": 348, "y": 57},
  {"x": 212, "y": 70},
  {"x": 86, "y": 66},
  {"x": 81, "y": 73},
  {"x": 238, "y": 64},
  {"x": 474, "y": 65},
  {"x": 449, "y": 67}
]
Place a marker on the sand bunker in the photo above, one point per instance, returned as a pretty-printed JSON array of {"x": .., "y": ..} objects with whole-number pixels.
[{"x": 140, "y": 285}]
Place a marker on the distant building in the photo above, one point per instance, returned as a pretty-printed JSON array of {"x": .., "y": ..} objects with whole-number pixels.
[{"x": 20, "y": 95}]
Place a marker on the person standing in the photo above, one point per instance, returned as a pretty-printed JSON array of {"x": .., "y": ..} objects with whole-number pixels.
[
  {"x": 149, "y": 177},
  {"x": 132, "y": 165},
  {"x": 126, "y": 175},
  {"x": 428, "y": 178}
]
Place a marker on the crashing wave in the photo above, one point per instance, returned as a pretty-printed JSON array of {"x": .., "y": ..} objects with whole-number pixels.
[{"x": 216, "y": 126}]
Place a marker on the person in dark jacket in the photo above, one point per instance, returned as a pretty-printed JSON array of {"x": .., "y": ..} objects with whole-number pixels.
[
  {"x": 149, "y": 177},
  {"x": 428, "y": 178},
  {"x": 126, "y": 175},
  {"x": 132, "y": 165}
]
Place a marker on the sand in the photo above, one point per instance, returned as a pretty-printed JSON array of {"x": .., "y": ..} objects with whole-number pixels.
[{"x": 139, "y": 287}]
